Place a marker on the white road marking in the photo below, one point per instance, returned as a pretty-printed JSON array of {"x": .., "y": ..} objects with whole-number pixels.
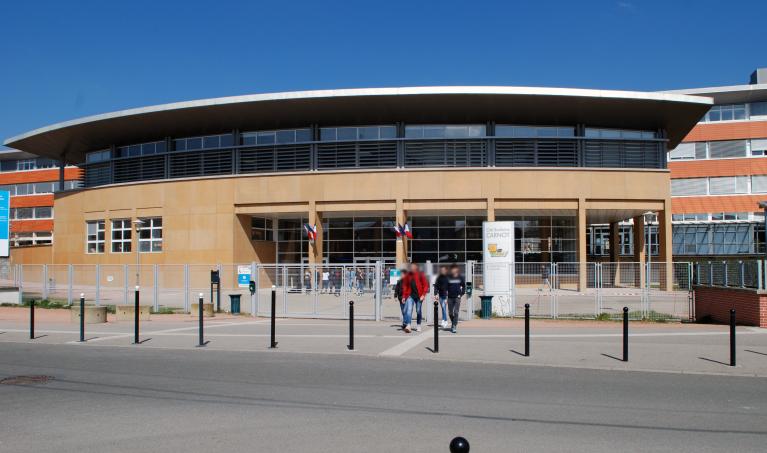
[{"x": 407, "y": 345}]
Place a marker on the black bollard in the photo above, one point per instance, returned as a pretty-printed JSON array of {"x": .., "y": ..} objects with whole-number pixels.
[
  {"x": 82, "y": 317},
  {"x": 625, "y": 334},
  {"x": 135, "y": 316},
  {"x": 732, "y": 337},
  {"x": 351, "y": 325},
  {"x": 527, "y": 330},
  {"x": 459, "y": 445},
  {"x": 273, "y": 344},
  {"x": 200, "y": 322},
  {"x": 436, "y": 327},
  {"x": 32, "y": 319}
]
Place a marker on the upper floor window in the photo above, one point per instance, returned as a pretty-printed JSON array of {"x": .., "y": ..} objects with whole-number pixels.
[
  {"x": 592, "y": 132},
  {"x": 503, "y": 130},
  {"x": 358, "y": 133},
  {"x": 446, "y": 131},
  {"x": 142, "y": 149},
  {"x": 261, "y": 229},
  {"x": 94, "y": 240},
  {"x": 727, "y": 112},
  {"x": 758, "y": 109},
  {"x": 278, "y": 137},
  {"x": 150, "y": 235},
  {"x": 98, "y": 156},
  {"x": 204, "y": 142}
]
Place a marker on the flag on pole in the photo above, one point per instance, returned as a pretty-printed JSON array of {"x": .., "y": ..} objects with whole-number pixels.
[
  {"x": 311, "y": 231},
  {"x": 407, "y": 231},
  {"x": 398, "y": 231}
]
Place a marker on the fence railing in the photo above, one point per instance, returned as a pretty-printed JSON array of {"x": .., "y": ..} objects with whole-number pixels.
[
  {"x": 555, "y": 290},
  {"x": 733, "y": 273}
]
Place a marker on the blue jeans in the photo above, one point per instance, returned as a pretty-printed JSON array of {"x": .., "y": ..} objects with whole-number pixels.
[
  {"x": 407, "y": 311},
  {"x": 442, "y": 300}
]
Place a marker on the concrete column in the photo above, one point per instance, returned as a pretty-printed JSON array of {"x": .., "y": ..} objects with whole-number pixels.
[
  {"x": 615, "y": 254},
  {"x": 491, "y": 209},
  {"x": 401, "y": 219},
  {"x": 639, "y": 249},
  {"x": 665, "y": 246},
  {"x": 582, "y": 256},
  {"x": 315, "y": 249}
]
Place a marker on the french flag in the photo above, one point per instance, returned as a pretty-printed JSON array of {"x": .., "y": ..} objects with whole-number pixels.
[
  {"x": 398, "y": 230},
  {"x": 408, "y": 233},
  {"x": 311, "y": 231}
]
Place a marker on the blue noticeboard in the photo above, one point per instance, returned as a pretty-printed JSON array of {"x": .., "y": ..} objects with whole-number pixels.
[
  {"x": 243, "y": 276},
  {"x": 5, "y": 210}
]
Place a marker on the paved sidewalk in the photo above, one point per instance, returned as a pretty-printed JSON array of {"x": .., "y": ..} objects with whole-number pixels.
[{"x": 673, "y": 347}]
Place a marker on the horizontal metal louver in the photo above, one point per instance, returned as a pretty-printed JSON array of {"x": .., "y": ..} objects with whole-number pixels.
[
  {"x": 683, "y": 151},
  {"x": 622, "y": 154},
  {"x": 188, "y": 164},
  {"x": 728, "y": 185},
  {"x": 759, "y": 184},
  {"x": 356, "y": 155},
  {"x": 689, "y": 186},
  {"x": 727, "y": 148},
  {"x": 275, "y": 158},
  {"x": 448, "y": 153},
  {"x": 758, "y": 144},
  {"x": 98, "y": 174},
  {"x": 536, "y": 153},
  {"x": 139, "y": 169}
]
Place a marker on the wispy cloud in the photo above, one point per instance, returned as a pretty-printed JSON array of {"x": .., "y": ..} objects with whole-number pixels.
[{"x": 628, "y": 6}]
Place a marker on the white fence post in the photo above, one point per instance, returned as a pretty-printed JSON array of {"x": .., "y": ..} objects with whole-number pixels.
[
  {"x": 378, "y": 281},
  {"x": 98, "y": 284},
  {"x": 45, "y": 281},
  {"x": 70, "y": 282},
  {"x": 125, "y": 284},
  {"x": 21, "y": 283},
  {"x": 156, "y": 289},
  {"x": 187, "y": 307},
  {"x": 253, "y": 278}
]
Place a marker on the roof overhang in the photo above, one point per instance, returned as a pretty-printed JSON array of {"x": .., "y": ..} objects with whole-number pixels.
[
  {"x": 735, "y": 94},
  {"x": 674, "y": 113}
]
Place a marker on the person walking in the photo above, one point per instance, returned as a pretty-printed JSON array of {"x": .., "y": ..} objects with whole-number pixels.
[
  {"x": 415, "y": 287},
  {"x": 440, "y": 292},
  {"x": 398, "y": 295},
  {"x": 325, "y": 281},
  {"x": 456, "y": 287}
]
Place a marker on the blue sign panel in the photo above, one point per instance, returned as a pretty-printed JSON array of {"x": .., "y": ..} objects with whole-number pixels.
[{"x": 5, "y": 211}]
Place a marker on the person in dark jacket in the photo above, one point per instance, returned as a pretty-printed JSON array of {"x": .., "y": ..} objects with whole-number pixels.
[
  {"x": 440, "y": 293},
  {"x": 456, "y": 287},
  {"x": 398, "y": 295}
]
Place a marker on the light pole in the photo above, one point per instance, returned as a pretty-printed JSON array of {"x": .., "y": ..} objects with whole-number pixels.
[
  {"x": 137, "y": 224},
  {"x": 647, "y": 217}
]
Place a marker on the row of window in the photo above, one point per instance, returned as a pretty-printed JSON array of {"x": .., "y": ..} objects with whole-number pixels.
[
  {"x": 718, "y": 217},
  {"x": 149, "y": 235},
  {"x": 27, "y": 164},
  {"x": 736, "y": 112},
  {"x": 38, "y": 212},
  {"x": 23, "y": 239},
  {"x": 379, "y": 132},
  {"x": 724, "y": 149},
  {"x": 720, "y": 185},
  {"x": 35, "y": 188}
]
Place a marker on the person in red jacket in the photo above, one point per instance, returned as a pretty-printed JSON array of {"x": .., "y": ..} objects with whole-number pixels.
[{"x": 415, "y": 287}]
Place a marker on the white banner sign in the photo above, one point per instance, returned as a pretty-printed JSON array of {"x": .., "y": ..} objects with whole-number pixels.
[{"x": 498, "y": 257}]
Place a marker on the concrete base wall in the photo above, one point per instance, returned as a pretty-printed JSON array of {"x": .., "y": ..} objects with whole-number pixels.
[
  {"x": 715, "y": 303},
  {"x": 93, "y": 314},
  {"x": 127, "y": 312}
]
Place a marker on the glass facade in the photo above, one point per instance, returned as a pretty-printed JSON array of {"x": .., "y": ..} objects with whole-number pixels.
[
  {"x": 445, "y": 238},
  {"x": 348, "y": 239}
]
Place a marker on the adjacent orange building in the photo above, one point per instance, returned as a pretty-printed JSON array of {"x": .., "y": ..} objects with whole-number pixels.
[{"x": 31, "y": 181}]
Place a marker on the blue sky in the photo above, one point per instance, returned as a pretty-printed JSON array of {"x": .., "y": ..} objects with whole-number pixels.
[{"x": 63, "y": 60}]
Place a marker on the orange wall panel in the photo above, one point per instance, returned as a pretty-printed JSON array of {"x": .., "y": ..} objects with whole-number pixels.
[
  {"x": 52, "y": 174},
  {"x": 29, "y": 201},
  {"x": 727, "y": 131},
  {"x": 721, "y": 167},
  {"x": 25, "y": 226},
  {"x": 723, "y": 203}
]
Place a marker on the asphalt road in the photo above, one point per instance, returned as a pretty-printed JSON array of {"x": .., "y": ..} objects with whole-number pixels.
[{"x": 110, "y": 399}]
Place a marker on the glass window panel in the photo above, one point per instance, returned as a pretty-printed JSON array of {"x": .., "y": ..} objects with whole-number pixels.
[{"x": 286, "y": 136}]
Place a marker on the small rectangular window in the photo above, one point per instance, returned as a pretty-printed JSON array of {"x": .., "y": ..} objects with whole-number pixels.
[
  {"x": 121, "y": 235},
  {"x": 94, "y": 241},
  {"x": 150, "y": 235}
]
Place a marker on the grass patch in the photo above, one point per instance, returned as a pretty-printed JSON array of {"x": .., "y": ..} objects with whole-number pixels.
[
  {"x": 164, "y": 311},
  {"x": 45, "y": 303}
]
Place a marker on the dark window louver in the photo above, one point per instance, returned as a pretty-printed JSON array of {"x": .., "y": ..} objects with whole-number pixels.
[
  {"x": 276, "y": 158},
  {"x": 189, "y": 164},
  {"x": 450, "y": 153},
  {"x": 98, "y": 175},
  {"x": 356, "y": 155},
  {"x": 139, "y": 169}
]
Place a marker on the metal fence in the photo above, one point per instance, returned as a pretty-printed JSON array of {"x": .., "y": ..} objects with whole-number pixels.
[
  {"x": 553, "y": 290},
  {"x": 735, "y": 274}
]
